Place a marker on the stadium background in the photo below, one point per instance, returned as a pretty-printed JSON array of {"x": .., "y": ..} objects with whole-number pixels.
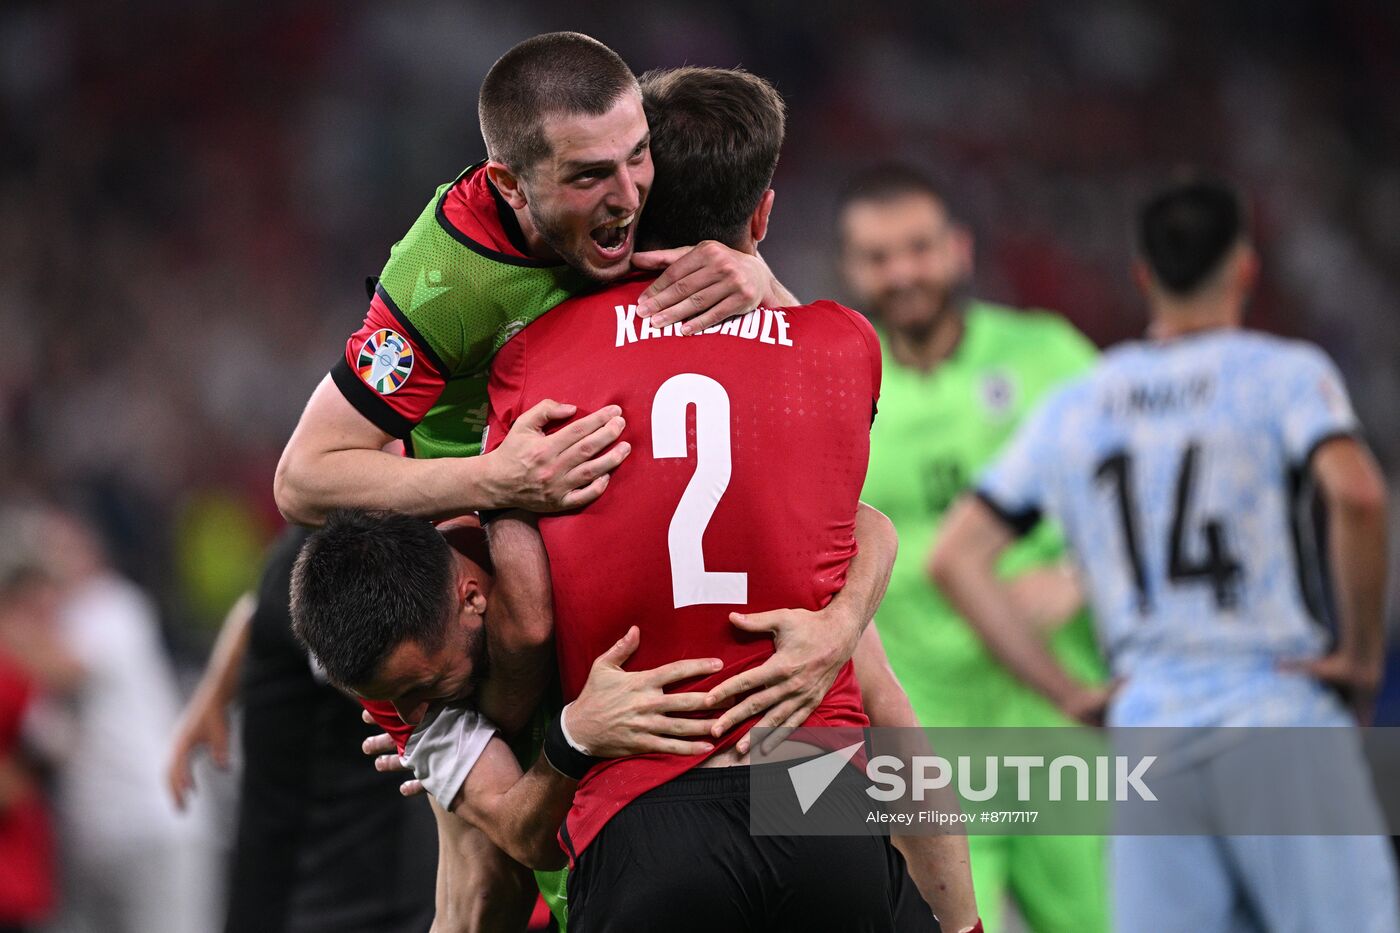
[{"x": 192, "y": 194}]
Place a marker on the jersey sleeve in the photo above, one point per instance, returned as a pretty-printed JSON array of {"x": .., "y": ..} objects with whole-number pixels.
[
  {"x": 1316, "y": 407},
  {"x": 1014, "y": 485},
  {"x": 871, "y": 341},
  {"x": 445, "y": 747},
  {"x": 505, "y": 391},
  {"x": 389, "y": 372},
  {"x": 442, "y": 749}
]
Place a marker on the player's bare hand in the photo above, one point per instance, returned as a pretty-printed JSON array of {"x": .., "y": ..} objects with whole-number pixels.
[
  {"x": 702, "y": 285},
  {"x": 809, "y": 649},
  {"x": 1358, "y": 679},
  {"x": 386, "y": 757},
  {"x": 622, "y": 712},
  {"x": 203, "y": 725},
  {"x": 566, "y": 469}
]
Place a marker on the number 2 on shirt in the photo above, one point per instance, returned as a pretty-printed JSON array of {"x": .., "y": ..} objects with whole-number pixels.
[{"x": 691, "y": 583}]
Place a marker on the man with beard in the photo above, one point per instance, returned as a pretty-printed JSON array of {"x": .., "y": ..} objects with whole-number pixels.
[{"x": 960, "y": 374}]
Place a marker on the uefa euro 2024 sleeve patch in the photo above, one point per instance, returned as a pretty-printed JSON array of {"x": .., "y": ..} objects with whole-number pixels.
[{"x": 385, "y": 360}]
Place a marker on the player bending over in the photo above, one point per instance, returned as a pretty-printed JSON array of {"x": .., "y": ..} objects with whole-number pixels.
[{"x": 394, "y": 612}]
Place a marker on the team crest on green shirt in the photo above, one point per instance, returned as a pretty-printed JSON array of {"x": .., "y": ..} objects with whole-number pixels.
[
  {"x": 999, "y": 393},
  {"x": 385, "y": 361}
]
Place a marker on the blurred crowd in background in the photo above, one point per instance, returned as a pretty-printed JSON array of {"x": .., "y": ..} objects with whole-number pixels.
[{"x": 192, "y": 194}]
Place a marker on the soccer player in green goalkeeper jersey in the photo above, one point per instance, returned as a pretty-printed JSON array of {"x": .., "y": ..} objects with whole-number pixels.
[{"x": 959, "y": 375}]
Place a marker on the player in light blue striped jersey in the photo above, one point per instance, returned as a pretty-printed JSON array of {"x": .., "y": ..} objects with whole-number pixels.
[{"x": 1183, "y": 470}]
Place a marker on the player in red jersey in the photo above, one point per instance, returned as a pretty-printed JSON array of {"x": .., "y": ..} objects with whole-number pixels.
[{"x": 752, "y": 440}]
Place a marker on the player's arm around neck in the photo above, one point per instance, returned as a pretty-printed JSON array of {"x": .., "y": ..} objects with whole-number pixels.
[
  {"x": 963, "y": 566},
  {"x": 707, "y": 284},
  {"x": 336, "y": 459},
  {"x": 1354, "y": 491}
]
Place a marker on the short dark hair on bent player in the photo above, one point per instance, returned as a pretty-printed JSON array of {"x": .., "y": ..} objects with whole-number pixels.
[
  {"x": 1186, "y": 229},
  {"x": 715, "y": 138},
  {"x": 366, "y": 582},
  {"x": 554, "y": 73},
  {"x": 886, "y": 182}
]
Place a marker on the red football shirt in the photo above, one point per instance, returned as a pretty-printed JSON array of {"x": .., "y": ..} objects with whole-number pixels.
[{"x": 750, "y": 443}]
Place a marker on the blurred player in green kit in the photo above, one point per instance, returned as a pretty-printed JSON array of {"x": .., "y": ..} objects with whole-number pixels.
[{"x": 960, "y": 374}]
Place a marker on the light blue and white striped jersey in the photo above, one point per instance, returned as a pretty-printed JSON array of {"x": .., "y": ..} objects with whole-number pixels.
[{"x": 1175, "y": 469}]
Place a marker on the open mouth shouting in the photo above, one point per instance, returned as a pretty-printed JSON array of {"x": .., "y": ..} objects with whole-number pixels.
[{"x": 613, "y": 240}]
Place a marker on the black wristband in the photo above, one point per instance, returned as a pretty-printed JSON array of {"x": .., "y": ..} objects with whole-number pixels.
[{"x": 562, "y": 756}]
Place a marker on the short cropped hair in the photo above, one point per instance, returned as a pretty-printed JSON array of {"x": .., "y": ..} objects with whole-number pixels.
[
  {"x": 885, "y": 182},
  {"x": 366, "y": 582},
  {"x": 715, "y": 138},
  {"x": 555, "y": 73},
  {"x": 1186, "y": 229}
]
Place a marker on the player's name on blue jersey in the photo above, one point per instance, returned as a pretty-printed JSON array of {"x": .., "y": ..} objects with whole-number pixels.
[{"x": 1160, "y": 398}]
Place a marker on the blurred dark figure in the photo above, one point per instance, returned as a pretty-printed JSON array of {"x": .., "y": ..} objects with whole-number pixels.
[{"x": 326, "y": 844}]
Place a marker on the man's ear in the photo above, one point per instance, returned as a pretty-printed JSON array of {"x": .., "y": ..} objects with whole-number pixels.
[
  {"x": 758, "y": 223},
  {"x": 471, "y": 592},
  {"x": 1247, "y": 268},
  {"x": 1142, "y": 277},
  {"x": 962, "y": 241},
  {"x": 507, "y": 183}
]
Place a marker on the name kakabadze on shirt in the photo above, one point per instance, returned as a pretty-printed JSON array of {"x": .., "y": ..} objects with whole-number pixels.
[{"x": 765, "y": 325}]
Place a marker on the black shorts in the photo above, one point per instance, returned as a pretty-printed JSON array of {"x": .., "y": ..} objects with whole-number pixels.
[{"x": 681, "y": 858}]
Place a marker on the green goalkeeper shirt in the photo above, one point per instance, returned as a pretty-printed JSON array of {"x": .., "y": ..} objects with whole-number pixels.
[
  {"x": 935, "y": 432},
  {"x": 457, "y": 286}
]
